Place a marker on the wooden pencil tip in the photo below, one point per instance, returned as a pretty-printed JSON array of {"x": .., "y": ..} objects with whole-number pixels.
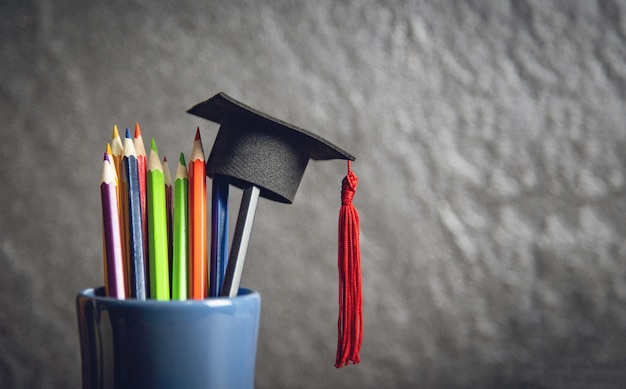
[
  {"x": 181, "y": 169},
  {"x": 153, "y": 146},
  {"x": 197, "y": 152},
  {"x": 137, "y": 130},
  {"x": 116, "y": 134}
]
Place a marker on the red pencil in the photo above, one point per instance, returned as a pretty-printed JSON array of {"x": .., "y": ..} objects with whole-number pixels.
[
  {"x": 197, "y": 221},
  {"x": 142, "y": 167}
]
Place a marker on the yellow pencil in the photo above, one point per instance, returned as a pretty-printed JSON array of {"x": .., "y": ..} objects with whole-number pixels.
[{"x": 117, "y": 151}]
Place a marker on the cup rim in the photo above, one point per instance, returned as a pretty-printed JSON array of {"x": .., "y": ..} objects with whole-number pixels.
[{"x": 97, "y": 294}]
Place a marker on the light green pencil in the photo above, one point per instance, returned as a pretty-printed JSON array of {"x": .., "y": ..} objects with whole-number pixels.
[
  {"x": 157, "y": 228},
  {"x": 181, "y": 239}
]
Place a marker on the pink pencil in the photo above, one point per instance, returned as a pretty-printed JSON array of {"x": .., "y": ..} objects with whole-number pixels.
[{"x": 111, "y": 229}]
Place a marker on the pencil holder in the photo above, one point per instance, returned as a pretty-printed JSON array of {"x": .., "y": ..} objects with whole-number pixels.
[{"x": 130, "y": 343}]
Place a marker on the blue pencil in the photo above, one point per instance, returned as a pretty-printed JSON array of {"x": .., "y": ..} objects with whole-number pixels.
[
  {"x": 134, "y": 226},
  {"x": 219, "y": 234}
]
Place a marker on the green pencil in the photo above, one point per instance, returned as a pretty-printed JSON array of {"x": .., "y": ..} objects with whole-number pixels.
[
  {"x": 180, "y": 238},
  {"x": 157, "y": 228}
]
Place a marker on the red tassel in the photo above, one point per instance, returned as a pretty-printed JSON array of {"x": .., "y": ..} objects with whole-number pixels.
[{"x": 350, "y": 324}]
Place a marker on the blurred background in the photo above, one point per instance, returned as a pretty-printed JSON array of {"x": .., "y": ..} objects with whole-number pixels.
[{"x": 489, "y": 139}]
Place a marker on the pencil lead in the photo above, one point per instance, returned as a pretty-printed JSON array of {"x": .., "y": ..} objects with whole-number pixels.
[
  {"x": 109, "y": 149},
  {"x": 116, "y": 134},
  {"x": 182, "y": 159},
  {"x": 127, "y": 133},
  {"x": 137, "y": 130},
  {"x": 164, "y": 158},
  {"x": 153, "y": 146},
  {"x": 197, "y": 134}
]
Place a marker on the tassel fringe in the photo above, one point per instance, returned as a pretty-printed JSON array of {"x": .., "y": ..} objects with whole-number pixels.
[{"x": 350, "y": 323}]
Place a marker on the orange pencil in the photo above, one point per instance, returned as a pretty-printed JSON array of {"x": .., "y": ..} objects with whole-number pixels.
[
  {"x": 117, "y": 152},
  {"x": 197, "y": 222}
]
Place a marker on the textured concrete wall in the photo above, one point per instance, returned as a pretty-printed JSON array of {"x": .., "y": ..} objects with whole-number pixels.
[{"x": 490, "y": 144}]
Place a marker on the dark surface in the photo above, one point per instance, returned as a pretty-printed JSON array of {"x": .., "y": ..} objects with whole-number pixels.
[{"x": 490, "y": 142}]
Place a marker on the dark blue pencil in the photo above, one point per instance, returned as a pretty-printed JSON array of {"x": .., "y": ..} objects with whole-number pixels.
[
  {"x": 134, "y": 226},
  {"x": 219, "y": 234}
]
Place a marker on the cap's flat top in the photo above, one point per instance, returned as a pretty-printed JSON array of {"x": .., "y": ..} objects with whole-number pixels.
[{"x": 221, "y": 108}]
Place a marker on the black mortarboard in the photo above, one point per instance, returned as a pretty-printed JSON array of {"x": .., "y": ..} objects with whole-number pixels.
[
  {"x": 254, "y": 148},
  {"x": 267, "y": 157}
]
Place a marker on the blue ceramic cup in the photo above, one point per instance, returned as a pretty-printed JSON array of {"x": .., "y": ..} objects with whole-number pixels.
[{"x": 207, "y": 343}]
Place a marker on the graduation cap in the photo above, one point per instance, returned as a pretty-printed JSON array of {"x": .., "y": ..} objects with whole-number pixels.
[
  {"x": 255, "y": 148},
  {"x": 265, "y": 157}
]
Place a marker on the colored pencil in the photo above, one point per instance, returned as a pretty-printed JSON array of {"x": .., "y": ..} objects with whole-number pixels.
[
  {"x": 117, "y": 150},
  {"x": 241, "y": 238},
  {"x": 180, "y": 232},
  {"x": 169, "y": 212},
  {"x": 108, "y": 155},
  {"x": 122, "y": 189},
  {"x": 142, "y": 166},
  {"x": 114, "y": 268},
  {"x": 136, "y": 283},
  {"x": 219, "y": 234},
  {"x": 157, "y": 227},
  {"x": 197, "y": 221}
]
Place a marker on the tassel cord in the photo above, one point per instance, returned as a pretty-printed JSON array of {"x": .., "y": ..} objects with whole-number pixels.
[{"x": 349, "y": 324}]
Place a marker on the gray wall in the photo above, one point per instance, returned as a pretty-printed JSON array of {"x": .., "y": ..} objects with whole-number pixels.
[{"x": 490, "y": 144}]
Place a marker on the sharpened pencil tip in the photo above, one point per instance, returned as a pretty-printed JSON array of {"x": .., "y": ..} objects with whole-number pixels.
[
  {"x": 116, "y": 134},
  {"x": 153, "y": 146},
  {"x": 164, "y": 158},
  {"x": 182, "y": 159},
  {"x": 197, "y": 152},
  {"x": 127, "y": 133},
  {"x": 106, "y": 156},
  {"x": 137, "y": 130},
  {"x": 109, "y": 151}
]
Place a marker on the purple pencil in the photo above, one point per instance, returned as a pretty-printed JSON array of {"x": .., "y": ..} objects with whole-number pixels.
[{"x": 114, "y": 282}]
